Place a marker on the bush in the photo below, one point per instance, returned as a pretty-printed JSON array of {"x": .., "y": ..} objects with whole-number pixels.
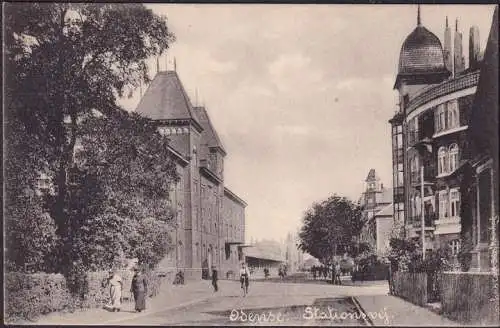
[
  {"x": 154, "y": 281},
  {"x": 28, "y": 296}
]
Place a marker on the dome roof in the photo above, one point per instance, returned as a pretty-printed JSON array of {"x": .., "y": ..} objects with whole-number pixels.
[{"x": 421, "y": 53}]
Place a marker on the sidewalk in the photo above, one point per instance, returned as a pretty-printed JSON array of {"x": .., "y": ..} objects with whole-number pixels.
[
  {"x": 388, "y": 310},
  {"x": 170, "y": 297}
]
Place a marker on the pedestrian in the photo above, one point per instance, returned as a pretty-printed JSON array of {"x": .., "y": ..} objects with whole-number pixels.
[
  {"x": 333, "y": 274},
  {"x": 214, "y": 279},
  {"x": 115, "y": 285},
  {"x": 313, "y": 269},
  {"x": 244, "y": 277},
  {"x": 325, "y": 272},
  {"x": 337, "y": 272},
  {"x": 139, "y": 289}
]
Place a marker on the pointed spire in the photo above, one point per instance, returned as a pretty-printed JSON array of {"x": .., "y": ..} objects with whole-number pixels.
[
  {"x": 419, "y": 22},
  {"x": 456, "y": 24},
  {"x": 175, "y": 65},
  {"x": 446, "y": 21}
]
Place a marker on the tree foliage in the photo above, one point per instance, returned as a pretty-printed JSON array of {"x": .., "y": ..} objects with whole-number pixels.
[
  {"x": 63, "y": 61},
  {"x": 329, "y": 227}
]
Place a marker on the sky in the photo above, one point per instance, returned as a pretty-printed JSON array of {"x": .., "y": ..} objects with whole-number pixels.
[{"x": 300, "y": 95}]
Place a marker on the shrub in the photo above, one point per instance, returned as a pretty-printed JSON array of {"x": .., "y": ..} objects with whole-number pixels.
[{"x": 28, "y": 296}]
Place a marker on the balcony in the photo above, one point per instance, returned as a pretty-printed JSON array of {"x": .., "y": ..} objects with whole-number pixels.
[
  {"x": 429, "y": 177},
  {"x": 428, "y": 222},
  {"x": 422, "y": 142}
]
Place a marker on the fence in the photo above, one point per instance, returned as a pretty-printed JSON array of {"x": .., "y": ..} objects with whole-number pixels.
[
  {"x": 468, "y": 297},
  {"x": 411, "y": 286}
]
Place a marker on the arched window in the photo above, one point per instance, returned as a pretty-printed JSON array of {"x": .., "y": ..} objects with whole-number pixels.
[
  {"x": 442, "y": 160},
  {"x": 453, "y": 160}
]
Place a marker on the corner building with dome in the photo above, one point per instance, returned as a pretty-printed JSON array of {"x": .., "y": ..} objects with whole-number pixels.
[{"x": 430, "y": 132}]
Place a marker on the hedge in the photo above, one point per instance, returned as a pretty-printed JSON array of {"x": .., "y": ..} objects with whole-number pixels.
[{"x": 27, "y": 296}]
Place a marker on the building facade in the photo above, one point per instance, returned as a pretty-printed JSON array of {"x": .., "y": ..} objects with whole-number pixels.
[
  {"x": 479, "y": 175},
  {"x": 210, "y": 218},
  {"x": 376, "y": 202},
  {"x": 430, "y": 133}
]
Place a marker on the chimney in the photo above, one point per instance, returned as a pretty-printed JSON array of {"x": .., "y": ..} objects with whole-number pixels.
[
  {"x": 448, "y": 56},
  {"x": 474, "y": 48}
]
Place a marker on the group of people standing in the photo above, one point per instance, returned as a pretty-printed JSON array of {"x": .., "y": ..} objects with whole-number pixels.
[
  {"x": 334, "y": 270},
  {"x": 138, "y": 288}
]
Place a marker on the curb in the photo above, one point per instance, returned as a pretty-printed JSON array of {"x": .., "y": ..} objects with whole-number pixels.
[{"x": 366, "y": 318}]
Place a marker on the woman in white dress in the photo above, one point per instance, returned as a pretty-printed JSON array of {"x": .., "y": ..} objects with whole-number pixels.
[{"x": 115, "y": 291}]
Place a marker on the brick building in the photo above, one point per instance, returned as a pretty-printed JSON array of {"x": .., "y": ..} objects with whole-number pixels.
[
  {"x": 430, "y": 133},
  {"x": 210, "y": 226}
]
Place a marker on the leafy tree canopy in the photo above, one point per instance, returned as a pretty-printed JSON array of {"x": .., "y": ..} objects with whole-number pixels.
[{"x": 330, "y": 227}]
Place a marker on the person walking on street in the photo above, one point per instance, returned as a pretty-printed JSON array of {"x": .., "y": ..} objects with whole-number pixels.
[
  {"x": 139, "y": 289},
  {"x": 333, "y": 274},
  {"x": 244, "y": 278},
  {"x": 115, "y": 285},
  {"x": 337, "y": 273},
  {"x": 214, "y": 279}
]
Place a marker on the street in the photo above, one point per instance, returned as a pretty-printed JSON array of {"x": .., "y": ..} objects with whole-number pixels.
[{"x": 271, "y": 303}]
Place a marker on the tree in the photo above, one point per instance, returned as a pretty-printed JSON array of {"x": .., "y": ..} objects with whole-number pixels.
[
  {"x": 330, "y": 227},
  {"x": 62, "y": 61},
  {"x": 29, "y": 229},
  {"x": 119, "y": 206}
]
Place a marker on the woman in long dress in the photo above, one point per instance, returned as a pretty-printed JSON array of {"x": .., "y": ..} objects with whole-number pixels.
[
  {"x": 115, "y": 291},
  {"x": 139, "y": 288}
]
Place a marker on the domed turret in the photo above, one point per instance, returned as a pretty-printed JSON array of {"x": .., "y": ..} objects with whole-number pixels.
[{"x": 421, "y": 60}]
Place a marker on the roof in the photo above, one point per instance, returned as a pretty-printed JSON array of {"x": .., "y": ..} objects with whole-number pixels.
[
  {"x": 372, "y": 176},
  {"x": 421, "y": 59},
  {"x": 209, "y": 134},
  {"x": 385, "y": 197},
  {"x": 261, "y": 252},
  {"x": 386, "y": 211},
  {"x": 421, "y": 52},
  {"x": 166, "y": 99},
  {"x": 234, "y": 197}
]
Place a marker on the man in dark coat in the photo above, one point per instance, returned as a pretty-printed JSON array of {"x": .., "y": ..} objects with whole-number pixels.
[{"x": 214, "y": 278}]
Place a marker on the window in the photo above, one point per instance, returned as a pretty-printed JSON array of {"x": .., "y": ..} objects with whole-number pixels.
[
  {"x": 453, "y": 114},
  {"x": 455, "y": 246},
  {"x": 440, "y": 118},
  {"x": 442, "y": 160},
  {"x": 454, "y": 203},
  {"x": 195, "y": 156},
  {"x": 443, "y": 204},
  {"x": 453, "y": 158}
]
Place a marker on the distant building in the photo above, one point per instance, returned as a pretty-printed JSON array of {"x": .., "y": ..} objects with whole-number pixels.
[
  {"x": 376, "y": 202},
  {"x": 210, "y": 218},
  {"x": 429, "y": 135},
  {"x": 264, "y": 254},
  {"x": 293, "y": 255}
]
